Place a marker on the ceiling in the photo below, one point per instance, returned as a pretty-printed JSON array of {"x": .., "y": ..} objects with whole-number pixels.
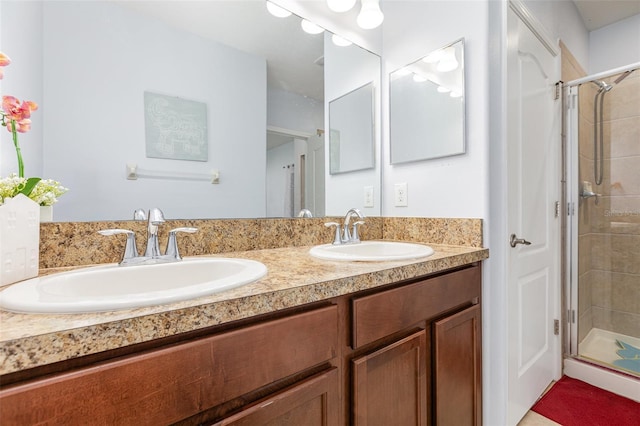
[{"x": 600, "y": 13}]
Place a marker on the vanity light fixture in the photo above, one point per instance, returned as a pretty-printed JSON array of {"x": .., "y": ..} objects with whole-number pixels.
[
  {"x": 277, "y": 11},
  {"x": 341, "y": 5},
  {"x": 370, "y": 15},
  {"x": 442, "y": 89},
  {"x": 340, "y": 41},
  {"x": 311, "y": 28},
  {"x": 455, "y": 94}
]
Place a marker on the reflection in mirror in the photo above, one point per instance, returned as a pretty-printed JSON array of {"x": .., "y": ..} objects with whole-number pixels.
[
  {"x": 351, "y": 131},
  {"x": 426, "y": 112},
  {"x": 253, "y": 72}
]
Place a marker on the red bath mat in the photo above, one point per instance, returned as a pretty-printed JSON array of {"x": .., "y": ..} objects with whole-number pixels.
[{"x": 572, "y": 402}]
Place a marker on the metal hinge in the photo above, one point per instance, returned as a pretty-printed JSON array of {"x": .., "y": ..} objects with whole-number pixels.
[
  {"x": 556, "y": 327},
  {"x": 556, "y": 96},
  {"x": 557, "y": 208},
  {"x": 570, "y": 209}
]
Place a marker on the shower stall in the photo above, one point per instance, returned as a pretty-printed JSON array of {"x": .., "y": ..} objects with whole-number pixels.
[{"x": 602, "y": 157}]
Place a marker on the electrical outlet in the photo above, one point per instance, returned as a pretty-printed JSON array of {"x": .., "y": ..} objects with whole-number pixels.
[
  {"x": 401, "y": 198},
  {"x": 368, "y": 196}
]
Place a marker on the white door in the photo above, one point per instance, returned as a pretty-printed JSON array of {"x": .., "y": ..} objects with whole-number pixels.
[
  {"x": 314, "y": 179},
  {"x": 533, "y": 286}
]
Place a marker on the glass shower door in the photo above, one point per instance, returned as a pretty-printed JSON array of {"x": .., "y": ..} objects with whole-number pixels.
[{"x": 604, "y": 165}]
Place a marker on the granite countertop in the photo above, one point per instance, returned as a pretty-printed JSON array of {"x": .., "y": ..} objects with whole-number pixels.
[{"x": 294, "y": 278}]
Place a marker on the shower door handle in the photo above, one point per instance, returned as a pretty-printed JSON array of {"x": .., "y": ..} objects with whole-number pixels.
[{"x": 514, "y": 241}]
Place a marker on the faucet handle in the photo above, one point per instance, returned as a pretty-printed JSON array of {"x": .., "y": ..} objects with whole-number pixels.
[
  {"x": 139, "y": 214},
  {"x": 355, "y": 238},
  {"x": 172, "y": 242},
  {"x": 336, "y": 239},
  {"x": 130, "y": 249}
]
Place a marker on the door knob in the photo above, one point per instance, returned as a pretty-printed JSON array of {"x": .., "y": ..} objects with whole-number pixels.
[{"x": 514, "y": 241}]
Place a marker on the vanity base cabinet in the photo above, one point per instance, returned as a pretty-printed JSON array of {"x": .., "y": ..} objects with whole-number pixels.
[
  {"x": 457, "y": 369},
  {"x": 405, "y": 354},
  {"x": 389, "y": 385}
]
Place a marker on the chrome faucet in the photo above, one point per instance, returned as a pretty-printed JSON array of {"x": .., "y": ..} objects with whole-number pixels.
[
  {"x": 344, "y": 235},
  {"x": 351, "y": 237},
  {"x": 155, "y": 219},
  {"x": 152, "y": 252}
]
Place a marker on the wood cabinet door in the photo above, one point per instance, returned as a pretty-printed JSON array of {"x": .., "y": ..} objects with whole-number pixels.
[
  {"x": 457, "y": 369},
  {"x": 314, "y": 401},
  {"x": 390, "y": 385}
]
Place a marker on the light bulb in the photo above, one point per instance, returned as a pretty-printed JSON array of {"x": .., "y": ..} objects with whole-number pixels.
[
  {"x": 370, "y": 15},
  {"x": 403, "y": 71},
  {"x": 339, "y": 41},
  {"x": 419, "y": 78},
  {"x": 277, "y": 11},
  {"x": 448, "y": 61},
  {"x": 311, "y": 28},
  {"x": 433, "y": 57},
  {"x": 442, "y": 89},
  {"x": 455, "y": 94},
  {"x": 341, "y": 5}
]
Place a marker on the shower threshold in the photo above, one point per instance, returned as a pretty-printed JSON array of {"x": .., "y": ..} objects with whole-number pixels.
[{"x": 601, "y": 346}]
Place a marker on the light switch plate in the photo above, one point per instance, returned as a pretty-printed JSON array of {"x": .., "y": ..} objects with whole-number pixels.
[{"x": 368, "y": 196}]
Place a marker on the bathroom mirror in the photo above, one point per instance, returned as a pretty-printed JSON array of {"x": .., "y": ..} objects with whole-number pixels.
[
  {"x": 260, "y": 77},
  {"x": 427, "y": 108},
  {"x": 351, "y": 141}
]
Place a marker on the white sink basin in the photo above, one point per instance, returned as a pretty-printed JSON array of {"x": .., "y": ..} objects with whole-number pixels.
[
  {"x": 113, "y": 287},
  {"x": 371, "y": 251}
]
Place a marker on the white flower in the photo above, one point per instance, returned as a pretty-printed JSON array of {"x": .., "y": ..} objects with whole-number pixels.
[{"x": 45, "y": 193}]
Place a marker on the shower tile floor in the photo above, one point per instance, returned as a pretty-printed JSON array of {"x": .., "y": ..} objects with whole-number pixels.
[{"x": 601, "y": 346}]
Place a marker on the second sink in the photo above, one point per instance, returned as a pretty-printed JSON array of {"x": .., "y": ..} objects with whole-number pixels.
[{"x": 371, "y": 251}]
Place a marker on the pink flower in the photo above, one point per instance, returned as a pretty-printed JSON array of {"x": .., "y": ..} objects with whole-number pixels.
[
  {"x": 14, "y": 110},
  {"x": 4, "y": 61},
  {"x": 22, "y": 126}
]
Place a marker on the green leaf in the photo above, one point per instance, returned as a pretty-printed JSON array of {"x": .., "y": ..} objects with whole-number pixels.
[{"x": 28, "y": 187}]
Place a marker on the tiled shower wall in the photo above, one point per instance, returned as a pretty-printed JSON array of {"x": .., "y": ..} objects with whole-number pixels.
[{"x": 609, "y": 232}]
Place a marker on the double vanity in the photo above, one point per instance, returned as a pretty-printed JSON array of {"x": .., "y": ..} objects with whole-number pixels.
[{"x": 317, "y": 340}]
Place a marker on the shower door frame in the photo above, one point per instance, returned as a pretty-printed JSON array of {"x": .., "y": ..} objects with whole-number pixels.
[{"x": 572, "y": 179}]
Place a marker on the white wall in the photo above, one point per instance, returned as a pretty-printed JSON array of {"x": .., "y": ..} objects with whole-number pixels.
[
  {"x": 292, "y": 111},
  {"x": 98, "y": 60},
  {"x": 615, "y": 45},
  {"x": 21, "y": 40},
  {"x": 454, "y": 186}
]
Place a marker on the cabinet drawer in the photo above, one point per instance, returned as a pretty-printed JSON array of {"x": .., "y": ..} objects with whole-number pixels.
[
  {"x": 167, "y": 385},
  {"x": 314, "y": 401},
  {"x": 381, "y": 314}
]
